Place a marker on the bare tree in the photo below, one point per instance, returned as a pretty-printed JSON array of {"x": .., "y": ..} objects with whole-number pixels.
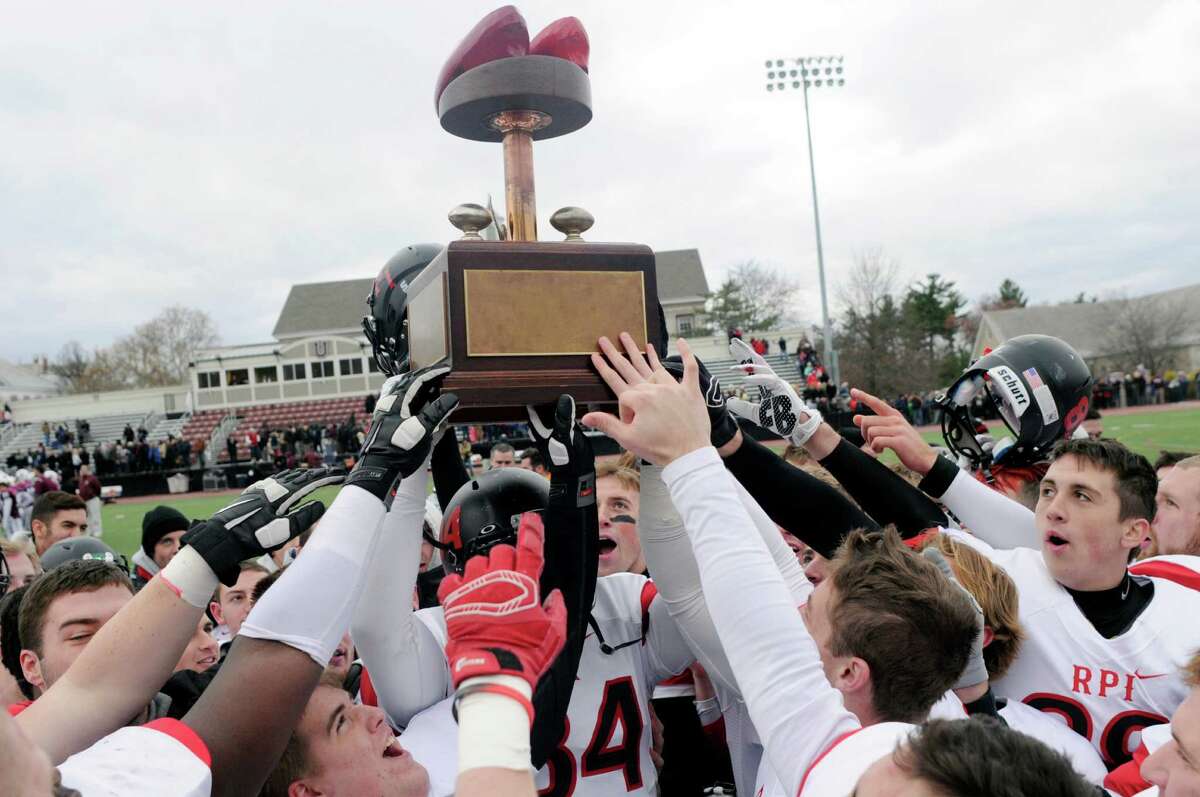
[
  {"x": 767, "y": 294},
  {"x": 158, "y": 352},
  {"x": 1145, "y": 331}
]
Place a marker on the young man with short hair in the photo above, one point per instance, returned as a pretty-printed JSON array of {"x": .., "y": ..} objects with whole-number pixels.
[
  {"x": 57, "y": 516},
  {"x": 232, "y": 604},
  {"x": 617, "y": 497},
  {"x": 61, "y": 613},
  {"x": 531, "y": 459},
  {"x": 1104, "y": 645}
]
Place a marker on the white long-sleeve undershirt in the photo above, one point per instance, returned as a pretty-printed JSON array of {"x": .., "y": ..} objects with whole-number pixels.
[
  {"x": 310, "y": 607},
  {"x": 990, "y": 515},
  {"x": 407, "y": 665},
  {"x": 775, "y": 662}
]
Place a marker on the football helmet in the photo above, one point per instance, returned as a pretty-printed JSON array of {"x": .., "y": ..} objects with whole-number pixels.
[
  {"x": 1041, "y": 388},
  {"x": 386, "y": 325},
  {"x": 75, "y": 548},
  {"x": 486, "y": 511}
]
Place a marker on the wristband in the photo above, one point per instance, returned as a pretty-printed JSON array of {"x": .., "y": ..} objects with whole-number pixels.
[
  {"x": 190, "y": 577},
  {"x": 493, "y": 725},
  {"x": 804, "y": 432}
]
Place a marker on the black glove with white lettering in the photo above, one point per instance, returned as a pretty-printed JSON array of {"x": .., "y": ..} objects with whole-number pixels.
[
  {"x": 724, "y": 427},
  {"x": 567, "y": 453},
  {"x": 265, "y": 516},
  {"x": 403, "y": 429}
]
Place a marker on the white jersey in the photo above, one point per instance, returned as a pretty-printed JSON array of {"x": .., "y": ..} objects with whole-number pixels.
[
  {"x": 607, "y": 749},
  {"x": 837, "y": 770},
  {"x": 1043, "y": 727},
  {"x": 163, "y": 758},
  {"x": 1106, "y": 690},
  {"x": 432, "y": 739}
]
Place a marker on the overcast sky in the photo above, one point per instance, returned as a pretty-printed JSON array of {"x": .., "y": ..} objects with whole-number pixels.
[{"x": 214, "y": 154}]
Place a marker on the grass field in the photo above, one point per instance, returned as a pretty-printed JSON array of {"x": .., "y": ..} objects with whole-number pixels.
[{"x": 1145, "y": 432}]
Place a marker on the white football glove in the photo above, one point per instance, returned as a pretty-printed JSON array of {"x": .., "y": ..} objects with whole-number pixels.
[{"x": 778, "y": 408}]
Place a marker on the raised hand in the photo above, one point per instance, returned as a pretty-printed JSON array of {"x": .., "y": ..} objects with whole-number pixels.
[
  {"x": 660, "y": 419},
  {"x": 266, "y": 515},
  {"x": 888, "y": 428},
  {"x": 724, "y": 427},
  {"x": 778, "y": 408},
  {"x": 566, "y": 451},
  {"x": 496, "y": 623},
  {"x": 406, "y": 421}
]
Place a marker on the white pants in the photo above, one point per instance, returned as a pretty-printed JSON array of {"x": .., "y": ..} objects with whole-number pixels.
[{"x": 93, "y": 516}]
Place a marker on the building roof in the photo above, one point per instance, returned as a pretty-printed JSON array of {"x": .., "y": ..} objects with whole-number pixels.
[
  {"x": 323, "y": 307},
  {"x": 1087, "y": 326},
  {"x": 680, "y": 275},
  {"x": 339, "y": 306},
  {"x": 15, "y": 377}
]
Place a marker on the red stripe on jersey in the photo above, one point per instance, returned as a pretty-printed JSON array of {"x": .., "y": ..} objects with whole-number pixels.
[
  {"x": 1184, "y": 576},
  {"x": 184, "y": 735},
  {"x": 366, "y": 690},
  {"x": 1126, "y": 780},
  {"x": 16, "y": 708},
  {"x": 824, "y": 753},
  {"x": 649, "y": 591}
]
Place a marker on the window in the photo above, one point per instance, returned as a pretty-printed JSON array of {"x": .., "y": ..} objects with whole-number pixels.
[
  {"x": 209, "y": 379},
  {"x": 372, "y": 366},
  {"x": 266, "y": 375},
  {"x": 322, "y": 370},
  {"x": 351, "y": 367},
  {"x": 293, "y": 371},
  {"x": 236, "y": 377},
  {"x": 685, "y": 323}
]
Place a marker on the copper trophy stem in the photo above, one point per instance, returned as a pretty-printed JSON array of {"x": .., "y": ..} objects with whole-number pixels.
[{"x": 520, "y": 200}]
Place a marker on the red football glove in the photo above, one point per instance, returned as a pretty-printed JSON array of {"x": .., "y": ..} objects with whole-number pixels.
[{"x": 494, "y": 619}]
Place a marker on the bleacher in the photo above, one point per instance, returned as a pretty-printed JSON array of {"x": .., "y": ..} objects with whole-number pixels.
[
  {"x": 201, "y": 424},
  {"x": 784, "y": 364},
  {"x": 104, "y": 427},
  {"x": 166, "y": 428},
  {"x": 285, "y": 416}
]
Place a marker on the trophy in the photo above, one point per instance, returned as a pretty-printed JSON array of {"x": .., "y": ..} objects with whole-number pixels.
[{"x": 517, "y": 318}]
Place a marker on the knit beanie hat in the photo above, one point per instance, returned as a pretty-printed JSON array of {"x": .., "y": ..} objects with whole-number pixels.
[{"x": 158, "y": 523}]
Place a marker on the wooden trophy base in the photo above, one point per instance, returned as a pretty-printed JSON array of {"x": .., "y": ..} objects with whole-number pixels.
[{"x": 518, "y": 321}]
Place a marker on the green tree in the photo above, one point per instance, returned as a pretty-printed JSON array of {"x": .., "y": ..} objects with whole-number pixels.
[
  {"x": 931, "y": 309},
  {"x": 1010, "y": 295},
  {"x": 727, "y": 308}
]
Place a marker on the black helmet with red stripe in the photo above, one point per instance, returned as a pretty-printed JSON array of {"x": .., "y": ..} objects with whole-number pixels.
[
  {"x": 488, "y": 510},
  {"x": 1038, "y": 384},
  {"x": 386, "y": 326}
]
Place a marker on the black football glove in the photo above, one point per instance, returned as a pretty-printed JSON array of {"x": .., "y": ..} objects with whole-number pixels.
[
  {"x": 567, "y": 452},
  {"x": 264, "y": 517},
  {"x": 724, "y": 427},
  {"x": 402, "y": 432}
]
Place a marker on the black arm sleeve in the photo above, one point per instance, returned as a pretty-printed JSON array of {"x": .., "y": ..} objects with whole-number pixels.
[
  {"x": 572, "y": 552},
  {"x": 816, "y": 513},
  {"x": 882, "y": 493},
  {"x": 449, "y": 472}
]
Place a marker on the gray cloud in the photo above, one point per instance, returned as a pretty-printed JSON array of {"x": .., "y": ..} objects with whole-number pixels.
[{"x": 214, "y": 155}]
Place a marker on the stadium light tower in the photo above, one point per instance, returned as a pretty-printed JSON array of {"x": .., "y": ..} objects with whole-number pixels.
[{"x": 821, "y": 71}]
